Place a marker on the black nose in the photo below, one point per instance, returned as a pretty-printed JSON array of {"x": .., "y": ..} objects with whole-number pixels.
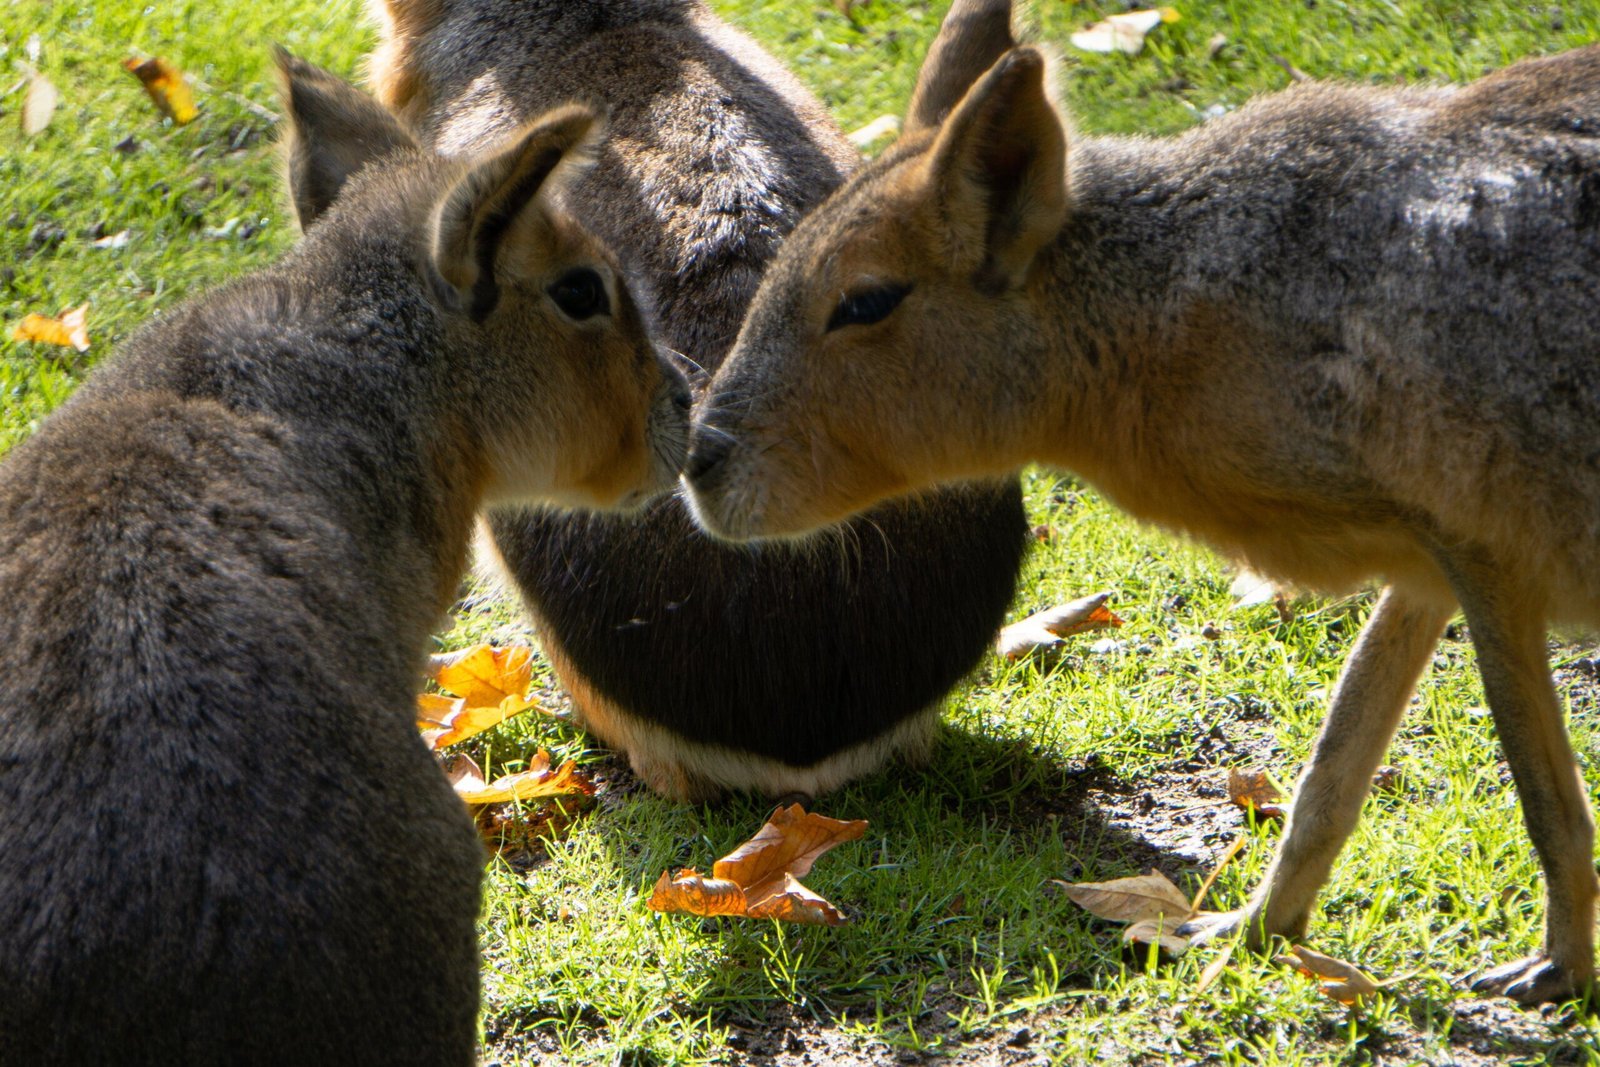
[{"x": 707, "y": 450}]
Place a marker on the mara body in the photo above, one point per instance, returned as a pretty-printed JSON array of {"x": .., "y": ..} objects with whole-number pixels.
[
  {"x": 223, "y": 841},
  {"x": 712, "y": 666},
  {"x": 1344, "y": 334}
]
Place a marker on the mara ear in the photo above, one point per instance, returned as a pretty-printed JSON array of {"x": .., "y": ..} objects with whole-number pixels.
[
  {"x": 998, "y": 170},
  {"x": 475, "y": 215},
  {"x": 334, "y": 130},
  {"x": 974, "y": 34}
]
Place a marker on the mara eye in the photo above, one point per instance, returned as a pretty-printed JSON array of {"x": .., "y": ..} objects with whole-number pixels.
[
  {"x": 581, "y": 294},
  {"x": 867, "y": 306}
]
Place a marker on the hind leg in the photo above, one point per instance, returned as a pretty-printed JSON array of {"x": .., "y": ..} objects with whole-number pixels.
[
  {"x": 1509, "y": 635},
  {"x": 1377, "y": 681}
]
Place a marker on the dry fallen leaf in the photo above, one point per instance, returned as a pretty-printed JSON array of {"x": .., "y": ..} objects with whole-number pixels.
[
  {"x": 1157, "y": 932},
  {"x": 39, "y": 105},
  {"x": 1130, "y": 900},
  {"x": 491, "y": 684},
  {"x": 537, "y": 781},
  {"x": 1123, "y": 33},
  {"x": 1256, "y": 790},
  {"x": 760, "y": 878},
  {"x": 1215, "y": 968},
  {"x": 484, "y": 674},
  {"x": 1151, "y": 905},
  {"x": 164, "y": 82},
  {"x": 1344, "y": 982},
  {"x": 876, "y": 130},
  {"x": 69, "y": 330},
  {"x": 1045, "y": 630}
]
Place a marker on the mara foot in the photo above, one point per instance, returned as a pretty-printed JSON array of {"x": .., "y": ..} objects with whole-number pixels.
[
  {"x": 1212, "y": 926},
  {"x": 1530, "y": 982}
]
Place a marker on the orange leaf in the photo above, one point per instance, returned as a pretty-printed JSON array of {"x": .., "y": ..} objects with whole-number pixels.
[
  {"x": 447, "y": 721},
  {"x": 1344, "y": 982},
  {"x": 1257, "y": 790},
  {"x": 164, "y": 82},
  {"x": 484, "y": 675},
  {"x": 1044, "y": 629},
  {"x": 491, "y": 683},
  {"x": 692, "y": 893},
  {"x": 537, "y": 781},
  {"x": 760, "y": 878},
  {"x": 71, "y": 330}
]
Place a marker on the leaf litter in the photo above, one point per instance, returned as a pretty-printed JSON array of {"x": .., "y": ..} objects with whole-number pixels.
[{"x": 761, "y": 878}]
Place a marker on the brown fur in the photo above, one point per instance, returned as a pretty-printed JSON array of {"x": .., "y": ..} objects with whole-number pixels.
[
  {"x": 779, "y": 669},
  {"x": 224, "y": 841},
  {"x": 1342, "y": 334}
]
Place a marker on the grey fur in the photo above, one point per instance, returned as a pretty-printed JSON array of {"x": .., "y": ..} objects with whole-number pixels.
[{"x": 223, "y": 841}]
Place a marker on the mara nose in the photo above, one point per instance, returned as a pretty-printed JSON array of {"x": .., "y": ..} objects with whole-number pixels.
[{"x": 707, "y": 449}]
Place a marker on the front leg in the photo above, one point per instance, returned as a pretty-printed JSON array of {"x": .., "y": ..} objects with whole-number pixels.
[
  {"x": 1377, "y": 681},
  {"x": 1509, "y": 635}
]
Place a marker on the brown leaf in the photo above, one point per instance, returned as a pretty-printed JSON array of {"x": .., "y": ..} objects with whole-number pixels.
[
  {"x": 1344, "y": 982},
  {"x": 1131, "y": 900},
  {"x": 70, "y": 330},
  {"x": 39, "y": 105},
  {"x": 537, "y": 781},
  {"x": 1045, "y": 630},
  {"x": 166, "y": 87},
  {"x": 760, "y": 878},
  {"x": 1257, "y": 790},
  {"x": 1157, "y": 932}
]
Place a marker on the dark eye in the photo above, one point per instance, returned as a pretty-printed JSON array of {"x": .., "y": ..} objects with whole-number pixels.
[
  {"x": 867, "y": 306},
  {"x": 581, "y": 294}
]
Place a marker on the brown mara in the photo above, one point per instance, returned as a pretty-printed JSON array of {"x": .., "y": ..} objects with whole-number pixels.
[
  {"x": 224, "y": 842},
  {"x": 712, "y": 666},
  {"x": 1342, "y": 334}
]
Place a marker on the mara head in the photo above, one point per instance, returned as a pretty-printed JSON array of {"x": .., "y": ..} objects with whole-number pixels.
[
  {"x": 540, "y": 370},
  {"x": 891, "y": 344}
]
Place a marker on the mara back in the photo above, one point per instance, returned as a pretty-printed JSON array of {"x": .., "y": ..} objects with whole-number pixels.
[
  {"x": 778, "y": 669},
  {"x": 223, "y": 841}
]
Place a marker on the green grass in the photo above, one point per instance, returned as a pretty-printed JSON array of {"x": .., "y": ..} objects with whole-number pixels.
[{"x": 958, "y": 940}]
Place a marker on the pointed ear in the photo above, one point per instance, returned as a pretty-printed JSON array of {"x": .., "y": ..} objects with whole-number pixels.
[
  {"x": 473, "y": 218},
  {"x": 998, "y": 170},
  {"x": 334, "y": 131},
  {"x": 974, "y": 34}
]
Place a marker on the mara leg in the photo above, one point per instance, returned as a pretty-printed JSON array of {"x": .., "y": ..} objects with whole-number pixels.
[
  {"x": 1377, "y": 681},
  {"x": 1509, "y": 635}
]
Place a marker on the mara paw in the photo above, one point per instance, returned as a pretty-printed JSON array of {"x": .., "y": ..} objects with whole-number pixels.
[{"x": 1530, "y": 982}]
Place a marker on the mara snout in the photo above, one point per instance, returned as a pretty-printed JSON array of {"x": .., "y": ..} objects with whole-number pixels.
[{"x": 1344, "y": 334}]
